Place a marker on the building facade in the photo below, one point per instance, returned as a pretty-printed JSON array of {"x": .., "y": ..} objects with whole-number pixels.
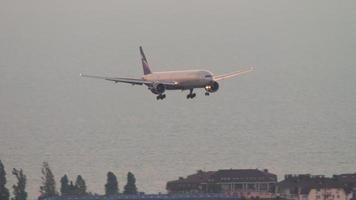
[
  {"x": 332, "y": 193},
  {"x": 248, "y": 183},
  {"x": 195, "y": 183},
  {"x": 308, "y": 187}
]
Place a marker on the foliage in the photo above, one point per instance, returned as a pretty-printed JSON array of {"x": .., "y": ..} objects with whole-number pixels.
[
  {"x": 80, "y": 186},
  {"x": 48, "y": 188},
  {"x": 130, "y": 187},
  {"x": 72, "y": 190},
  {"x": 19, "y": 189},
  {"x": 65, "y": 185},
  {"x": 4, "y": 192},
  {"x": 111, "y": 186}
]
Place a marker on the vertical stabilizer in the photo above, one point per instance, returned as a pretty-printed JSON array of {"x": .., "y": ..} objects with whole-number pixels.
[{"x": 145, "y": 66}]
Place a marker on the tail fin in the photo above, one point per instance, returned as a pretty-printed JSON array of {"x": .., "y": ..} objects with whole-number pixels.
[{"x": 145, "y": 66}]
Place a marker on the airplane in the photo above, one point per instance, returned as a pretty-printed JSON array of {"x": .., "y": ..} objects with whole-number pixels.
[{"x": 159, "y": 82}]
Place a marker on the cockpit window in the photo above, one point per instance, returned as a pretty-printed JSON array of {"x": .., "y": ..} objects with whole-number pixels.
[{"x": 208, "y": 76}]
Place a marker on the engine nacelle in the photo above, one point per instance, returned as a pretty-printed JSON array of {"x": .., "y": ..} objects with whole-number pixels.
[
  {"x": 212, "y": 87},
  {"x": 158, "y": 88}
]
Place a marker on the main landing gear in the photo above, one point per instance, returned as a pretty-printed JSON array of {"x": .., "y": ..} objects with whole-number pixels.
[
  {"x": 161, "y": 97},
  {"x": 191, "y": 95},
  {"x": 207, "y": 93}
]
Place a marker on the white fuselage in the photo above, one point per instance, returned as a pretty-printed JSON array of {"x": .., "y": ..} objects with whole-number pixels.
[{"x": 186, "y": 79}]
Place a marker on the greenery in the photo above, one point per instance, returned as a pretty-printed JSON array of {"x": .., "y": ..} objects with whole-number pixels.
[
  {"x": 111, "y": 186},
  {"x": 64, "y": 185},
  {"x": 19, "y": 189},
  {"x": 71, "y": 189},
  {"x": 48, "y": 185},
  {"x": 48, "y": 188},
  {"x": 4, "y": 192},
  {"x": 80, "y": 186},
  {"x": 130, "y": 187}
]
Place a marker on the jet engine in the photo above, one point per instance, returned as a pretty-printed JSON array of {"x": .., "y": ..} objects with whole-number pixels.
[
  {"x": 157, "y": 88},
  {"x": 212, "y": 87}
]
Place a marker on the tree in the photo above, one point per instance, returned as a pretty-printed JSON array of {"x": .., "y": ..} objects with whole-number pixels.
[
  {"x": 4, "y": 192},
  {"x": 111, "y": 186},
  {"x": 72, "y": 189},
  {"x": 48, "y": 188},
  {"x": 65, "y": 185},
  {"x": 130, "y": 187},
  {"x": 19, "y": 189},
  {"x": 81, "y": 188}
]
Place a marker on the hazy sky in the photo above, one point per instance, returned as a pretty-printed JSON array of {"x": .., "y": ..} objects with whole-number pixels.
[{"x": 295, "y": 113}]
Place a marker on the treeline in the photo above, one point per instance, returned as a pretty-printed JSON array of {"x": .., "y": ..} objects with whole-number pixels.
[
  {"x": 67, "y": 187},
  {"x": 18, "y": 189}
]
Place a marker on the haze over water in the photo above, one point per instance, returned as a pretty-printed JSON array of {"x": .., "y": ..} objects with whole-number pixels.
[{"x": 295, "y": 113}]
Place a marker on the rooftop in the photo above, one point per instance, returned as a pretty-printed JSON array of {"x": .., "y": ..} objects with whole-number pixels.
[
  {"x": 199, "y": 177},
  {"x": 243, "y": 175},
  {"x": 306, "y": 182}
]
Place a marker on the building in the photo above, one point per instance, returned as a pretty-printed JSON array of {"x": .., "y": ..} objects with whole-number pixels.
[
  {"x": 328, "y": 193},
  {"x": 348, "y": 179},
  {"x": 195, "y": 183},
  {"x": 146, "y": 197},
  {"x": 296, "y": 186},
  {"x": 246, "y": 183},
  {"x": 308, "y": 187}
]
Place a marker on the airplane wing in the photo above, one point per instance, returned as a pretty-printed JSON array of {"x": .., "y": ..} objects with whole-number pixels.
[
  {"x": 132, "y": 81},
  {"x": 232, "y": 74}
]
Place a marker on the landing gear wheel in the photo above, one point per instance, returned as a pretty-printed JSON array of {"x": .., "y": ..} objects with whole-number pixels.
[
  {"x": 161, "y": 97},
  {"x": 191, "y": 96},
  {"x": 207, "y": 93}
]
